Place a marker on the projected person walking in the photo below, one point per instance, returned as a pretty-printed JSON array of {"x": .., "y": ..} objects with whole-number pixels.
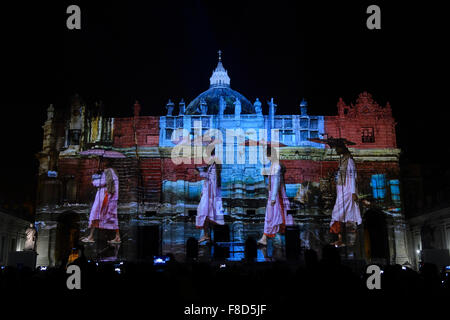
[
  {"x": 346, "y": 208},
  {"x": 210, "y": 209},
  {"x": 276, "y": 217},
  {"x": 104, "y": 210}
]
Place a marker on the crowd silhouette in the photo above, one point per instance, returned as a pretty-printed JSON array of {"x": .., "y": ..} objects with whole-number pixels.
[{"x": 278, "y": 284}]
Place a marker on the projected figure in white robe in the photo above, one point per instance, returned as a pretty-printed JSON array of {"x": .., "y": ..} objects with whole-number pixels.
[{"x": 346, "y": 209}]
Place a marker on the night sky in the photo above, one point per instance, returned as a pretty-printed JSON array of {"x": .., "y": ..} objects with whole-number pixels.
[{"x": 291, "y": 50}]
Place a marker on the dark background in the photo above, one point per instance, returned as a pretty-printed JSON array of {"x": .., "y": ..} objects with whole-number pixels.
[{"x": 287, "y": 50}]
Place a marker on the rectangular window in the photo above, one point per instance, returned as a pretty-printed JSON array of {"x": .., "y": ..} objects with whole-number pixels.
[
  {"x": 170, "y": 122},
  {"x": 283, "y": 123},
  {"x": 288, "y": 123},
  {"x": 367, "y": 135},
  {"x": 169, "y": 132},
  {"x": 314, "y": 124},
  {"x": 170, "y": 127},
  {"x": 314, "y": 134},
  {"x": 304, "y": 135},
  {"x": 304, "y": 123},
  {"x": 278, "y": 123},
  {"x": 180, "y": 122}
]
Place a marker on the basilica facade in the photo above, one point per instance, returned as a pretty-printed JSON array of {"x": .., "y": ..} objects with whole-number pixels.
[{"x": 153, "y": 186}]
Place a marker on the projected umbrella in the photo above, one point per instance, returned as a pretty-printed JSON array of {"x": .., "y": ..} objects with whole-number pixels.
[{"x": 101, "y": 153}]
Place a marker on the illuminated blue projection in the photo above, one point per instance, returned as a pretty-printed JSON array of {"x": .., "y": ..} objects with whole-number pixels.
[{"x": 225, "y": 109}]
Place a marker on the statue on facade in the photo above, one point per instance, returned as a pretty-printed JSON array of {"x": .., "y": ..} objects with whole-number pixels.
[
  {"x": 257, "y": 106},
  {"x": 30, "y": 241},
  {"x": 272, "y": 107},
  {"x": 237, "y": 107}
]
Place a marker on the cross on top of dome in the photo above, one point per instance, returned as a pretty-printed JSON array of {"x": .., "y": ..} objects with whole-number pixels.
[{"x": 220, "y": 77}]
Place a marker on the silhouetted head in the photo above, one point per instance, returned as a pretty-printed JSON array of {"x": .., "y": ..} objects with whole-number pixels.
[{"x": 342, "y": 149}]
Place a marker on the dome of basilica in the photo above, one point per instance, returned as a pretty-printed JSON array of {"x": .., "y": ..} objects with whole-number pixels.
[{"x": 219, "y": 88}]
